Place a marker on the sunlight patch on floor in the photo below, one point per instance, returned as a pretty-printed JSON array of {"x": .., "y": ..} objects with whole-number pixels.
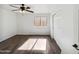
[
  {"x": 28, "y": 44},
  {"x": 40, "y": 44}
]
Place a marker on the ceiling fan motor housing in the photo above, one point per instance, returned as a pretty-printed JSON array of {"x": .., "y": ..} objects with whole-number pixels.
[{"x": 22, "y": 8}]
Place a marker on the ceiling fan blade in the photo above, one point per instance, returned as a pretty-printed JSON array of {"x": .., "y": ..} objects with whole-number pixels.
[
  {"x": 30, "y": 11},
  {"x": 14, "y": 10},
  {"x": 14, "y": 6},
  {"x": 27, "y": 7}
]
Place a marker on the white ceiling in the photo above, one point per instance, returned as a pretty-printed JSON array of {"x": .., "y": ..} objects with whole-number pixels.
[{"x": 37, "y": 8}]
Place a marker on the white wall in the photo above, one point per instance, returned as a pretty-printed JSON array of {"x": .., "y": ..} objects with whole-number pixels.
[
  {"x": 64, "y": 28},
  {"x": 7, "y": 24},
  {"x": 76, "y": 18},
  {"x": 26, "y": 25},
  {"x": 0, "y": 24},
  {"x": 76, "y": 24}
]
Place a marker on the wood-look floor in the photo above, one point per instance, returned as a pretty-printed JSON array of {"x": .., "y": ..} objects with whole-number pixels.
[{"x": 10, "y": 45}]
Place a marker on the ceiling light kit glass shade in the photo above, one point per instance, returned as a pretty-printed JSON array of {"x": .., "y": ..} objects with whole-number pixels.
[{"x": 22, "y": 11}]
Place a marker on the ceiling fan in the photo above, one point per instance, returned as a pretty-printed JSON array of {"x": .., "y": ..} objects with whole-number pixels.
[{"x": 22, "y": 8}]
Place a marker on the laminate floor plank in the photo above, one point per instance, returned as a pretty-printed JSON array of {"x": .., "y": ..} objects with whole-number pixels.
[{"x": 10, "y": 46}]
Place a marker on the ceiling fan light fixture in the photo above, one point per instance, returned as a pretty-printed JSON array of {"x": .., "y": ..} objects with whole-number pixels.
[{"x": 22, "y": 11}]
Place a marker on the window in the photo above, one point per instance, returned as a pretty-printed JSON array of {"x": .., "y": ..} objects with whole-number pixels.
[{"x": 40, "y": 21}]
